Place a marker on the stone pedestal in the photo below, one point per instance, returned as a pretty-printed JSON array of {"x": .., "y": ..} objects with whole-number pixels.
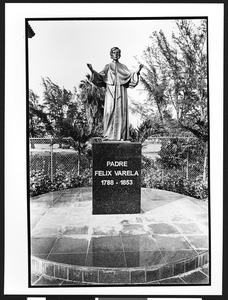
[{"x": 116, "y": 178}]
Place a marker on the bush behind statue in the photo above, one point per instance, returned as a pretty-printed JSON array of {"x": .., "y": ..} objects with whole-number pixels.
[
  {"x": 40, "y": 182},
  {"x": 173, "y": 181},
  {"x": 151, "y": 177}
]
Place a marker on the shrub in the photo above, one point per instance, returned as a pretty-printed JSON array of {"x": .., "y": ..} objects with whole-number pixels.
[
  {"x": 40, "y": 182},
  {"x": 173, "y": 180},
  {"x": 152, "y": 177}
]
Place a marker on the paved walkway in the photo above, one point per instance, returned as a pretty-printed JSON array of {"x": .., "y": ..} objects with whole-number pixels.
[{"x": 168, "y": 238}]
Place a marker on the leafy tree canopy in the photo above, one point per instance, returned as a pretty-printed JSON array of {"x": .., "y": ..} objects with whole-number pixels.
[
  {"x": 38, "y": 121},
  {"x": 175, "y": 78},
  {"x": 93, "y": 99}
]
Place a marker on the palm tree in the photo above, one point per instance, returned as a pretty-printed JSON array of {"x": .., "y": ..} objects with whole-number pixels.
[
  {"x": 39, "y": 124},
  {"x": 175, "y": 77},
  {"x": 93, "y": 99}
]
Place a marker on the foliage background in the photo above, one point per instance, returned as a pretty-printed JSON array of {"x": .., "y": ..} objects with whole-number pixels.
[{"x": 175, "y": 80}]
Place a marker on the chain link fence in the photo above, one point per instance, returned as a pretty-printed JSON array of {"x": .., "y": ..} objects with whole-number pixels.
[
  {"x": 49, "y": 157},
  {"x": 184, "y": 155},
  {"x": 178, "y": 164},
  {"x": 170, "y": 163}
]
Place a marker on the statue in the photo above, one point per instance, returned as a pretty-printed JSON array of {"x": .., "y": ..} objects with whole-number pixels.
[{"x": 116, "y": 78}]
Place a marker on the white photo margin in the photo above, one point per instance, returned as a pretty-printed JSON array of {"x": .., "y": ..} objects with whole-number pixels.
[{"x": 16, "y": 248}]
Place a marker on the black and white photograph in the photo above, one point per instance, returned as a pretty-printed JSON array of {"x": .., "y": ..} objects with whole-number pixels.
[
  {"x": 118, "y": 151},
  {"x": 118, "y": 164}
]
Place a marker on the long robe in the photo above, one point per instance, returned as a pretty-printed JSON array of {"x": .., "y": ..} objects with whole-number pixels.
[{"x": 116, "y": 78}]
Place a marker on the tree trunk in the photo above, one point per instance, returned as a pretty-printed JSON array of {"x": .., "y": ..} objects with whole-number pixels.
[
  {"x": 187, "y": 165},
  {"x": 79, "y": 157},
  {"x": 160, "y": 113},
  {"x": 51, "y": 160}
]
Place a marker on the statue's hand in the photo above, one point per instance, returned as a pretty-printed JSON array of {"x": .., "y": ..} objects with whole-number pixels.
[
  {"x": 90, "y": 67},
  {"x": 139, "y": 68}
]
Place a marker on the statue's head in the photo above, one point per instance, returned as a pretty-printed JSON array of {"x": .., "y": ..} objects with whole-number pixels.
[{"x": 115, "y": 53}]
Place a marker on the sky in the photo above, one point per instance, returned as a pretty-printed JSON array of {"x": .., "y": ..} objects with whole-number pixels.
[{"x": 61, "y": 49}]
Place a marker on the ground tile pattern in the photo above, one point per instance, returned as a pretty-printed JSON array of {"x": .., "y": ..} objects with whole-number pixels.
[{"x": 169, "y": 238}]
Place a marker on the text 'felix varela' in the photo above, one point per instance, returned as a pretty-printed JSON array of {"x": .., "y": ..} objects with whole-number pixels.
[{"x": 116, "y": 172}]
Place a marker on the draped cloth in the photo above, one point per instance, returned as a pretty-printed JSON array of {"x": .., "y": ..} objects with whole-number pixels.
[{"x": 116, "y": 78}]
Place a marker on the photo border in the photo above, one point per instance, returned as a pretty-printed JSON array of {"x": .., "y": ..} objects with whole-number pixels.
[
  {"x": 209, "y": 81},
  {"x": 27, "y": 20}
]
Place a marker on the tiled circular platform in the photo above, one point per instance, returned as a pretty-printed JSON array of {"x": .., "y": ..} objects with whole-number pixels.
[{"x": 168, "y": 238}]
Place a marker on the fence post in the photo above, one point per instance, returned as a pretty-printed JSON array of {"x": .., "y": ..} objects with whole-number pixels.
[
  {"x": 51, "y": 153},
  {"x": 79, "y": 157}
]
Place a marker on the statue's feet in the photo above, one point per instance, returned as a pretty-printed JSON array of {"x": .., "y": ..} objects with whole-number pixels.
[
  {"x": 129, "y": 140},
  {"x": 121, "y": 140}
]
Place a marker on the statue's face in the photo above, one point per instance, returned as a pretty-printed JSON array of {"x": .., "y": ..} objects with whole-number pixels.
[{"x": 115, "y": 55}]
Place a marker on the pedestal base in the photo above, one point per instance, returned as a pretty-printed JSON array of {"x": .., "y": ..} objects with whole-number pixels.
[{"x": 116, "y": 178}]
